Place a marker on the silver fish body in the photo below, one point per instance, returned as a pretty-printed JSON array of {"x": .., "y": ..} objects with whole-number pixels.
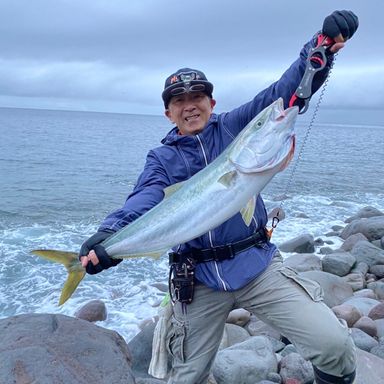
[{"x": 226, "y": 186}]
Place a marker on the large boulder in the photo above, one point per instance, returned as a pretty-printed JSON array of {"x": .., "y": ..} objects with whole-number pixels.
[
  {"x": 49, "y": 348},
  {"x": 372, "y": 228},
  {"x": 294, "y": 369},
  {"x": 370, "y": 368},
  {"x": 365, "y": 213},
  {"x": 338, "y": 263},
  {"x": 367, "y": 253},
  {"x": 248, "y": 362},
  {"x": 336, "y": 290},
  {"x": 302, "y": 262},
  {"x": 141, "y": 350},
  {"x": 94, "y": 310},
  {"x": 304, "y": 243}
]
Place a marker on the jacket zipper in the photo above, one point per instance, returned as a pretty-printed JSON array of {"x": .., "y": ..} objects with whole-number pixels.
[{"x": 220, "y": 278}]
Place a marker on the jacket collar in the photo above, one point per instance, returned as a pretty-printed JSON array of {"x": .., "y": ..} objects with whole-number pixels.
[{"x": 173, "y": 137}]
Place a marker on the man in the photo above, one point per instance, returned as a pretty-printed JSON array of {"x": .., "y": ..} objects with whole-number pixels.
[{"x": 254, "y": 278}]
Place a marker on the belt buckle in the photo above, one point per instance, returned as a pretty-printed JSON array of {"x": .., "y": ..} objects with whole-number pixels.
[{"x": 229, "y": 254}]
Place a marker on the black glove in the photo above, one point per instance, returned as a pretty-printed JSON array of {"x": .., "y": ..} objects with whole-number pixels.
[
  {"x": 344, "y": 22},
  {"x": 93, "y": 243}
]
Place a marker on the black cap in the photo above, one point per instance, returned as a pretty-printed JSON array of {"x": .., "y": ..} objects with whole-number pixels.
[{"x": 185, "y": 80}]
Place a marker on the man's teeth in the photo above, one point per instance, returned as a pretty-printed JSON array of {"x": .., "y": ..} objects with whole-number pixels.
[{"x": 191, "y": 117}]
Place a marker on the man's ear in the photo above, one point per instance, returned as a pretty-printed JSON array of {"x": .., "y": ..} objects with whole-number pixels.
[
  {"x": 167, "y": 113},
  {"x": 213, "y": 103}
]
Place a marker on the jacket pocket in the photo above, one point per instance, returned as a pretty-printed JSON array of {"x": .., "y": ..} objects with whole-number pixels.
[
  {"x": 176, "y": 340},
  {"x": 311, "y": 287}
]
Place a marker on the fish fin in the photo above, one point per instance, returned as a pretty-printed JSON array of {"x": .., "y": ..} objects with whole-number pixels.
[
  {"x": 248, "y": 211},
  {"x": 169, "y": 191},
  {"x": 71, "y": 262},
  {"x": 227, "y": 178},
  {"x": 73, "y": 280}
]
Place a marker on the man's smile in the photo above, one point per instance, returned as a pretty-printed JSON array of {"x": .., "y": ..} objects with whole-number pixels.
[{"x": 192, "y": 117}]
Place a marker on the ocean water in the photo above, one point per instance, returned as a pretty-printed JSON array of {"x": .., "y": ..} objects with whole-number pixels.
[{"x": 62, "y": 172}]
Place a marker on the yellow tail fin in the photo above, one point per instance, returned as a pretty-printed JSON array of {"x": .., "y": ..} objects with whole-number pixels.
[{"x": 70, "y": 260}]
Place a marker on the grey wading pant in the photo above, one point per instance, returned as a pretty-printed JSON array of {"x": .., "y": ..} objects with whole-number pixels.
[{"x": 291, "y": 304}]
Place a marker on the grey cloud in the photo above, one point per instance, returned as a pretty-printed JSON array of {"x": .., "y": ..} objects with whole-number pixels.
[{"x": 118, "y": 52}]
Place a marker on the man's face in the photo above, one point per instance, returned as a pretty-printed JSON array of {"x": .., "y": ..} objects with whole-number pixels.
[{"x": 190, "y": 111}]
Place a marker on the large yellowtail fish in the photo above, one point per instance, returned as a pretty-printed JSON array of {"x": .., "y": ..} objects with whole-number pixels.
[{"x": 189, "y": 209}]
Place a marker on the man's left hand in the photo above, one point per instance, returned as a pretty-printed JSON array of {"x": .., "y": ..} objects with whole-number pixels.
[{"x": 340, "y": 26}]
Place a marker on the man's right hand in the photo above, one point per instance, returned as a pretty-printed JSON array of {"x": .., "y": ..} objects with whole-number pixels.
[{"x": 93, "y": 256}]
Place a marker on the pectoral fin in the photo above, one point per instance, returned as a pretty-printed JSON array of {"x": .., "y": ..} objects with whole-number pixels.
[
  {"x": 227, "y": 178},
  {"x": 169, "y": 191},
  {"x": 248, "y": 210}
]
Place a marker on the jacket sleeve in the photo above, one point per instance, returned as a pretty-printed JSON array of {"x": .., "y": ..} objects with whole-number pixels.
[
  {"x": 147, "y": 193},
  {"x": 285, "y": 87}
]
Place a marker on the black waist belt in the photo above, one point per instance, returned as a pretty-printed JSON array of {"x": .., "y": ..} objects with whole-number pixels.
[{"x": 221, "y": 252}]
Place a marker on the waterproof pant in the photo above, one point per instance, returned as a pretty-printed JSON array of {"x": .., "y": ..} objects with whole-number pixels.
[{"x": 291, "y": 304}]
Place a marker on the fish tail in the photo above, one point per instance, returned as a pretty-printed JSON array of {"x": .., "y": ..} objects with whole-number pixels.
[{"x": 76, "y": 271}]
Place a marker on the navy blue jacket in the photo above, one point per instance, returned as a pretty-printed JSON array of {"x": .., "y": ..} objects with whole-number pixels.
[{"x": 180, "y": 157}]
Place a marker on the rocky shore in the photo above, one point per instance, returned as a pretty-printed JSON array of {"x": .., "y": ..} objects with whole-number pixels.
[{"x": 52, "y": 348}]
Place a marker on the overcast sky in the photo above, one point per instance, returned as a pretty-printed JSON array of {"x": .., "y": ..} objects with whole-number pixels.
[{"x": 114, "y": 55}]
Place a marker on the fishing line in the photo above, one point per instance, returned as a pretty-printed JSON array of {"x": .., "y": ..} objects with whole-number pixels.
[{"x": 279, "y": 212}]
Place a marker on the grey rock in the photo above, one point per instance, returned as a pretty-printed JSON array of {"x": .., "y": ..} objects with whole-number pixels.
[
  {"x": 362, "y": 340},
  {"x": 277, "y": 345},
  {"x": 266, "y": 382},
  {"x": 350, "y": 241},
  {"x": 377, "y": 312},
  {"x": 274, "y": 377},
  {"x": 366, "y": 293},
  {"x": 94, "y": 310},
  {"x": 300, "y": 244},
  {"x": 379, "y": 349},
  {"x": 302, "y": 262},
  {"x": 360, "y": 267},
  {"x": 378, "y": 243},
  {"x": 293, "y": 366},
  {"x": 141, "y": 349},
  {"x": 233, "y": 334},
  {"x": 355, "y": 280},
  {"x": 378, "y": 288},
  {"x": 377, "y": 270},
  {"x": 239, "y": 317},
  {"x": 338, "y": 263},
  {"x": 367, "y": 325},
  {"x": 336, "y": 290},
  {"x": 332, "y": 234},
  {"x": 367, "y": 253},
  {"x": 363, "y": 304},
  {"x": 372, "y": 228},
  {"x": 290, "y": 348},
  {"x": 370, "y": 368},
  {"x": 365, "y": 213},
  {"x": 349, "y": 313},
  {"x": 326, "y": 250},
  {"x": 47, "y": 348},
  {"x": 141, "y": 380},
  {"x": 380, "y": 327},
  {"x": 232, "y": 365}
]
